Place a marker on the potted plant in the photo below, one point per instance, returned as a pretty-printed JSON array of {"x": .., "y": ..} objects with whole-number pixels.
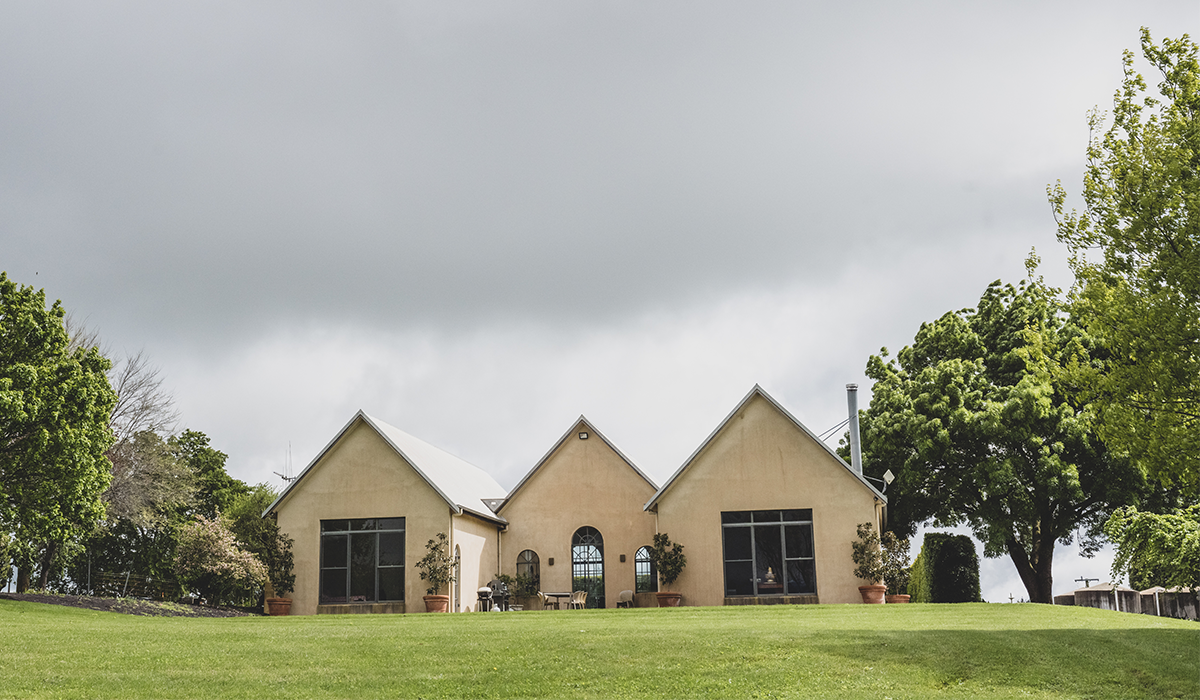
[
  {"x": 437, "y": 567},
  {"x": 522, "y": 589},
  {"x": 280, "y": 578},
  {"x": 868, "y": 560},
  {"x": 895, "y": 567},
  {"x": 669, "y": 560}
]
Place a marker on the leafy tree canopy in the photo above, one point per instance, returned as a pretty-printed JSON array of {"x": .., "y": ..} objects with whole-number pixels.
[
  {"x": 1168, "y": 545},
  {"x": 261, "y": 536},
  {"x": 1135, "y": 251},
  {"x": 151, "y": 486},
  {"x": 54, "y": 408},
  {"x": 976, "y": 428},
  {"x": 216, "y": 489}
]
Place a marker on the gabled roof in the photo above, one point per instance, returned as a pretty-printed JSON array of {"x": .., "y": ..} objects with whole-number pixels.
[
  {"x": 464, "y": 486},
  {"x": 1107, "y": 588},
  {"x": 571, "y": 431},
  {"x": 758, "y": 391}
]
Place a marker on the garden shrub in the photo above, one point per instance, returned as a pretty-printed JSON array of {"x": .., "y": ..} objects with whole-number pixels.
[
  {"x": 208, "y": 558},
  {"x": 918, "y": 591},
  {"x": 946, "y": 570}
]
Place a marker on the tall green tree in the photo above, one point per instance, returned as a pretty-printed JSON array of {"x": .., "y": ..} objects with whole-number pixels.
[
  {"x": 261, "y": 536},
  {"x": 152, "y": 493},
  {"x": 216, "y": 490},
  {"x": 54, "y": 409},
  {"x": 1135, "y": 251},
  {"x": 151, "y": 486},
  {"x": 977, "y": 429}
]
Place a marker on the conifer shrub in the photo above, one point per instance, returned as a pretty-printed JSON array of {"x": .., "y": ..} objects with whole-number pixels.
[{"x": 946, "y": 570}]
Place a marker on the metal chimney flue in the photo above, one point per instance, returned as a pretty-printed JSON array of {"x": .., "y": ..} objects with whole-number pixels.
[{"x": 855, "y": 445}]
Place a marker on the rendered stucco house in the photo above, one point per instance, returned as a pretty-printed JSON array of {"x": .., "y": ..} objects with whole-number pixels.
[
  {"x": 762, "y": 492},
  {"x": 763, "y": 498},
  {"x": 361, "y": 513},
  {"x": 577, "y": 517}
]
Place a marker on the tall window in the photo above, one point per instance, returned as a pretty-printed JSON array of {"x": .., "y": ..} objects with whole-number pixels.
[
  {"x": 644, "y": 572},
  {"x": 769, "y": 552},
  {"x": 587, "y": 565},
  {"x": 362, "y": 561},
  {"x": 528, "y": 565}
]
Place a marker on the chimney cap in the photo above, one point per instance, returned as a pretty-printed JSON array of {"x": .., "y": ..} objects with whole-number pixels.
[{"x": 851, "y": 387}]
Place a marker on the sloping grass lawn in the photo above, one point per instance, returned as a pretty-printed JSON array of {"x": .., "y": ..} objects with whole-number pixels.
[{"x": 854, "y": 651}]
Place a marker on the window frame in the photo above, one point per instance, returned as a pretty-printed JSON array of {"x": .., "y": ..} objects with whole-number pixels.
[
  {"x": 642, "y": 562},
  {"x": 762, "y": 519},
  {"x": 346, "y": 530},
  {"x": 584, "y": 539},
  {"x": 531, "y": 565}
]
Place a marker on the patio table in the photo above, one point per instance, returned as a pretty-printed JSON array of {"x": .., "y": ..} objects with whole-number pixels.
[{"x": 557, "y": 597}]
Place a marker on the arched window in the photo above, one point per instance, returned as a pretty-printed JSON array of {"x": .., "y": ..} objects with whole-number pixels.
[
  {"x": 587, "y": 565},
  {"x": 644, "y": 572},
  {"x": 529, "y": 566}
]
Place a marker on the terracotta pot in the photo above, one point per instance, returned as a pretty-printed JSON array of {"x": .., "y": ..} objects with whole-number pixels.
[
  {"x": 898, "y": 598},
  {"x": 437, "y": 603},
  {"x": 873, "y": 594},
  {"x": 668, "y": 599},
  {"x": 279, "y": 606}
]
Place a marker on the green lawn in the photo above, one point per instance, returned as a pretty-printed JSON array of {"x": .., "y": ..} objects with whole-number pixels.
[{"x": 835, "y": 651}]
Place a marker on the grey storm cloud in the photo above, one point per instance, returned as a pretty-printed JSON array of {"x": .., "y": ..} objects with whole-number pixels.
[{"x": 422, "y": 163}]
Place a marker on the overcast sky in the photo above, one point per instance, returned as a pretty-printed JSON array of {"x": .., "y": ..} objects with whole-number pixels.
[{"x": 478, "y": 220}]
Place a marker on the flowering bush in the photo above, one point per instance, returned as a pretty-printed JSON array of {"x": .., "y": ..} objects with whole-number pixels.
[{"x": 208, "y": 558}]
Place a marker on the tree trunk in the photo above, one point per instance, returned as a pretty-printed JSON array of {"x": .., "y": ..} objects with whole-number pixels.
[
  {"x": 47, "y": 561},
  {"x": 22, "y": 578},
  {"x": 1036, "y": 575},
  {"x": 1045, "y": 572}
]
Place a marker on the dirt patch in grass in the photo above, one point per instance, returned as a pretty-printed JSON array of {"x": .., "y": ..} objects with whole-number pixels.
[{"x": 128, "y": 606}]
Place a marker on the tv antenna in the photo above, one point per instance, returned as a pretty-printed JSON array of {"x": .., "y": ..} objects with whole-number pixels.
[{"x": 287, "y": 467}]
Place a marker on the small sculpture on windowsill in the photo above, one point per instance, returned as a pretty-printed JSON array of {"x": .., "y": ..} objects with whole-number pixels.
[{"x": 769, "y": 584}]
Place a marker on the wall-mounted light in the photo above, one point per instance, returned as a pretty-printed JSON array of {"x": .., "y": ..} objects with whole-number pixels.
[
  {"x": 551, "y": 562},
  {"x": 583, "y": 436},
  {"x": 622, "y": 558}
]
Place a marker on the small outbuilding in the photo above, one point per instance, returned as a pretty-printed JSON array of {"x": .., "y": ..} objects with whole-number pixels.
[
  {"x": 1108, "y": 596},
  {"x": 1179, "y": 603}
]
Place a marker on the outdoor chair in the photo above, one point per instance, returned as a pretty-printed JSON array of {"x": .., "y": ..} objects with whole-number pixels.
[
  {"x": 625, "y": 600},
  {"x": 547, "y": 604},
  {"x": 578, "y": 600}
]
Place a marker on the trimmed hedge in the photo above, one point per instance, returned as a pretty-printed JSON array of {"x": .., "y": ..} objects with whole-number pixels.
[{"x": 946, "y": 570}]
